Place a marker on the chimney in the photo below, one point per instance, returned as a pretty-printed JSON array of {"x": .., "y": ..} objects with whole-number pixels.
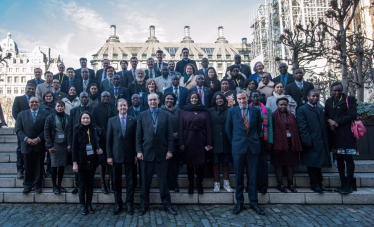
[
  {"x": 220, "y": 38},
  {"x": 187, "y": 36},
  {"x": 113, "y": 30},
  {"x": 152, "y": 34},
  {"x": 244, "y": 41},
  {"x": 113, "y": 35}
]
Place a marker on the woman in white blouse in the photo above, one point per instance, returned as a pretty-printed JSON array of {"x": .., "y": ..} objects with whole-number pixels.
[
  {"x": 278, "y": 93},
  {"x": 71, "y": 100}
]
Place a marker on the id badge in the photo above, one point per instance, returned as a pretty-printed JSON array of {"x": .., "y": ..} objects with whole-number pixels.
[
  {"x": 288, "y": 133},
  {"x": 89, "y": 149},
  {"x": 141, "y": 94},
  {"x": 61, "y": 136}
]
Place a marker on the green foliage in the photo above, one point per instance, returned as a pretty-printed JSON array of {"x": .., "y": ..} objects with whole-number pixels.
[{"x": 365, "y": 111}]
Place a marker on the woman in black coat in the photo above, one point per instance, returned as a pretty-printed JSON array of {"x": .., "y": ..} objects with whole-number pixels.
[
  {"x": 221, "y": 143},
  {"x": 56, "y": 137},
  {"x": 48, "y": 102},
  {"x": 342, "y": 142},
  {"x": 170, "y": 100},
  {"x": 195, "y": 138},
  {"x": 85, "y": 151},
  {"x": 211, "y": 80}
]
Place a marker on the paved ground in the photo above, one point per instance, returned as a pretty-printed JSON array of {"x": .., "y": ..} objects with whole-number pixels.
[{"x": 190, "y": 215}]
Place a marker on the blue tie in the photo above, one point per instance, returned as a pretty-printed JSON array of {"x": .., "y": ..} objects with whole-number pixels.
[
  {"x": 34, "y": 116},
  {"x": 123, "y": 124}
]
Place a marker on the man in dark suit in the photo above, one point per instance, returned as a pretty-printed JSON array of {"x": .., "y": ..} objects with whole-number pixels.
[
  {"x": 61, "y": 76},
  {"x": 159, "y": 64},
  {"x": 30, "y": 130},
  {"x": 135, "y": 108},
  {"x": 182, "y": 63},
  {"x": 171, "y": 68},
  {"x": 242, "y": 68},
  {"x": 243, "y": 128},
  {"x": 151, "y": 72},
  {"x": 205, "y": 93},
  {"x": 285, "y": 78},
  {"x": 101, "y": 74},
  {"x": 118, "y": 92},
  {"x": 20, "y": 104},
  {"x": 130, "y": 74},
  {"x": 38, "y": 77},
  {"x": 85, "y": 83},
  {"x": 66, "y": 84},
  {"x": 124, "y": 64},
  {"x": 120, "y": 150},
  {"x": 83, "y": 63},
  {"x": 58, "y": 95},
  {"x": 299, "y": 89},
  {"x": 180, "y": 92},
  {"x": 204, "y": 70},
  {"x": 154, "y": 145}
]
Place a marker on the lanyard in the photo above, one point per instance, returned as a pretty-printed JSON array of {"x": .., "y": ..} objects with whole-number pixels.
[
  {"x": 88, "y": 133},
  {"x": 154, "y": 121}
]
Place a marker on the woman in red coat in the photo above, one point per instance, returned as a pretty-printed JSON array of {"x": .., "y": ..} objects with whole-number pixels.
[{"x": 195, "y": 139}]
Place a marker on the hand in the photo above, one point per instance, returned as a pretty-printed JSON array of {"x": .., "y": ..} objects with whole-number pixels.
[
  {"x": 169, "y": 155},
  {"x": 68, "y": 148},
  {"x": 140, "y": 156},
  {"x": 332, "y": 123},
  {"x": 99, "y": 151},
  {"x": 175, "y": 135},
  {"x": 35, "y": 141},
  {"x": 109, "y": 161},
  {"x": 75, "y": 167},
  {"x": 29, "y": 141},
  {"x": 210, "y": 147},
  {"x": 181, "y": 147},
  {"x": 51, "y": 150}
]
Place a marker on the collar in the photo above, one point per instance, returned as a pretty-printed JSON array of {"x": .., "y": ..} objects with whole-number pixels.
[
  {"x": 312, "y": 105},
  {"x": 35, "y": 111},
  {"x": 156, "y": 110},
  {"x": 301, "y": 82},
  {"x": 56, "y": 91},
  {"x": 176, "y": 87},
  {"x": 136, "y": 108},
  {"x": 246, "y": 107},
  {"x": 186, "y": 59},
  {"x": 121, "y": 116}
]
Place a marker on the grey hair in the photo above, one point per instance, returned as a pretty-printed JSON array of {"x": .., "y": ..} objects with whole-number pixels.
[
  {"x": 83, "y": 93},
  {"x": 242, "y": 92},
  {"x": 122, "y": 100},
  {"x": 104, "y": 93},
  {"x": 153, "y": 94},
  {"x": 254, "y": 67},
  {"x": 135, "y": 95}
]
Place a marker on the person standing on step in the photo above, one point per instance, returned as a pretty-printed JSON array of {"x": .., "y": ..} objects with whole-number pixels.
[
  {"x": 299, "y": 89},
  {"x": 85, "y": 151},
  {"x": 56, "y": 141},
  {"x": 312, "y": 126},
  {"x": 2, "y": 119},
  {"x": 340, "y": 111}
]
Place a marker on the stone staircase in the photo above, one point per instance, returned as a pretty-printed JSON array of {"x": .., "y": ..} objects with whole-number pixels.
[{"x": 11, "y": 187}]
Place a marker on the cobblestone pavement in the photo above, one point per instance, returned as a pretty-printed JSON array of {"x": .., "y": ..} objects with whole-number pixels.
[{"x": 188, "y": 215}]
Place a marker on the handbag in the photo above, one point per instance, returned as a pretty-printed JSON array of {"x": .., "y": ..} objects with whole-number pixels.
[{"x": 357, "y": 127}]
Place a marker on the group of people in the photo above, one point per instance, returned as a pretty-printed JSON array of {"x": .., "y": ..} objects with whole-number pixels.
[{"x": 150, "y": 121}]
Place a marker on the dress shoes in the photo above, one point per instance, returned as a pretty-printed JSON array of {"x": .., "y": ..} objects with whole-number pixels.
[
  {"x": 38, "y": 190},
  {"x": 116, "y": 210},
  {"x": 142, "y": 211},
  {"x": 281, "y": 188},
  {"x": 56, "y": 191},
  {"x": 238, "y": 208},
  {"x": 74, "y": 191},
  {"x": 326, "y": 189},
  {"x": 90, "y": 209},
  {"x": 104, "y": 190},
  {"x": 258, "y": 209},
  {"x": 20, "y": 175},
  {"x": 346, "y": 190},
  {"x": 130, "y": 209},
  {"x": 291, "y": 188},
  {"x": 26, "y": 190},
  {"x": 62, "y": 189},
  {"x": 318, "y": 190},
  {"x": 171, "y": 210},
  {"x": 83, "y": 210}
]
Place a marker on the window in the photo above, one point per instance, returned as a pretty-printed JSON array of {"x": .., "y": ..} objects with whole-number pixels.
[
  {"x": 23, "y": 79},
  {"x": 191, "y": 56},
  {"x": 17, "y": 70},
  {"x": 219, "y": 65},
  {"x": 219, "y": 57},
  {"x": 10, "y": 70},
  {"x": 134, "y": 54},
  {"x": 105, "y": 56},
  {"x": 9, "y": 80},
  {"x": 1, "y": 90},
  {"x": 16, "y": 90},
  {"x": 124, "y": 56},
  {"x": 16, "y": 79},
  {"x": 246, "y": 57},
  {"x": 21, "y": 61},
  {"x": 227, "y": 56},
  {"x": 144, "y": 56},
  {"x": 9, "y": 90},
  {"x": 209, "y": 56},
  {"x": 22, "y": 90},
  {"x": 115, "y": 56},
  {"x": 208, "y": 50},
  {"x": 210, "y": 64},
  {"x": 171, "y": 50},
  {"x": 14, "y": 61},
  {"x": 23, "y": 70}
]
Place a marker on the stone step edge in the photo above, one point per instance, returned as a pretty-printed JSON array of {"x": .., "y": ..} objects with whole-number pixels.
[{"x": 304, "y": 196}]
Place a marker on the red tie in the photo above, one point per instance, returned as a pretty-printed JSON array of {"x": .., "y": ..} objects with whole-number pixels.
[
  {"x": 200, "y": 94},
  {"x": 245, "y": 120}
]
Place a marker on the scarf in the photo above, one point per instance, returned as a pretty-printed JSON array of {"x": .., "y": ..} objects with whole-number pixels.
[
  {"x": 265, "y": 120},
  {"x": 71, "y": 97},
  {"x": 185, "y": 78},
  {"x": 93, "y": 97},
  {"x": 279, "y": 129},
  {"x": 197, "y": 107}
]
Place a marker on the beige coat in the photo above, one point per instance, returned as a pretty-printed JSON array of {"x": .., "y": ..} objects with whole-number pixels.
[
  {"x": 266, "y": 89},
  {"x": 191, "y": 82}
]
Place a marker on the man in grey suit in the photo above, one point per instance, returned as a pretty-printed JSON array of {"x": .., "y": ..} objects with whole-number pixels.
[
  {"x": 30, "y": 130},
  {"x": 41, "y": 89},
  {"x": 154, "y": 145},
  {"x": 243, "y": 128},
  {"x": 56, "y": 91},
  {"x": 120, "y": 149},
  {"x": 108, "y": 82}
]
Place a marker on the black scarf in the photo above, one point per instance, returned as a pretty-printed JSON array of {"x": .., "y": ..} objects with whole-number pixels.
[
  {"x": 60, "y": 114},
  {"x": 197, "y": 107},
  {"x": 71, "y": 97},
  {"x": 94, "y": 97}
]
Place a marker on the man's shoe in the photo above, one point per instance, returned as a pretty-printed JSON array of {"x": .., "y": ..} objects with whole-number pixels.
[
  {"x": 292, "y": 188},
  {"x": 346, "y": 190},
  {"x": 62, "y": 189},
  {"x": 83, "y": 210},
  {"x": 142, "y": 211},
  {"x": 116, "y": 210},
  {"x": 326, "y": 189},
  {"x": 176, "y": 190},
  {"x": 38, "y": 190},
  {"x": 56, "y": 191},
  {"x": 104, "y": 189},
  {"x": 26, "y": 190},
  {"x": 74, "y": 191},
  {"x": 90, "y": 209},
  {"x": 281, "y": 188},
  {"x": 171, "y": 210},
  {"x": 130, "y": 209},
  {"x": 318, "y": 190},
  {"x": 238, "y": 208},
  {"x": 258, "y": 210},
  {"x": 20, "y": 175}
]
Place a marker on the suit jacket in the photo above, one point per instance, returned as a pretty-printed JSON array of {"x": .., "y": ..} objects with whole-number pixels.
[
  {"x": 78, "y": 74},
  {"x": 207, "y": 95},
  {"x": 25, "y": 127},
  {"x": 123, "y": 93},
  {"x": 201, "y": 72},
  {"x": 65, "y": 86},
  {"x": 127, "y": 79},
  {"x": 154, "y": 146},
  {"x": 106, "y": 84},
  {"x": 183, "y": 93},
  {"x": 182, "y": 63},
  {"x": 74, "y": 120},
  {"x": 243, "y": 69},
  {"x": 79, "y": 85},
  {"x": 290, "y": 79},
  {"x": 20, "y": 104},
  {"x": 157, "y": 69},
  {"x": 61, "y": 79},
  {"x": 155, "y": 73},
  {"x": 298, "y": 95},
  {"x": 235, "y": 130},
  {"x": 121, "y": 148},
  {"x": 122, "y": 76},
  {"x": 174, "y": 73},
  {"x": 132, "y": 113},
  {"x": 99, "y": 75},
  {"x": 33, "y": 81}
]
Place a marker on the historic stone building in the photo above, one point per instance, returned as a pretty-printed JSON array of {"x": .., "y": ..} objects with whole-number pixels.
[{"x": 220, "y": 53}]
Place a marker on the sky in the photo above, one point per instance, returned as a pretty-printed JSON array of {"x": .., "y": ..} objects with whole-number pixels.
[{"x": 74, "y": 29}]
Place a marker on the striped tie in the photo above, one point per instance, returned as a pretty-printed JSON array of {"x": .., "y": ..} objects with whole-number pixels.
[{"x": 245, "y": 120}]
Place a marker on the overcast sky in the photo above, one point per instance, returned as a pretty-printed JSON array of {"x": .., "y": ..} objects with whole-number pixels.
[{"x": 79, "y": 28}]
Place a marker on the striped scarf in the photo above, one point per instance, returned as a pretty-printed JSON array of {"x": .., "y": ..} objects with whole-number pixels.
[{"x": 265, "y": 120}]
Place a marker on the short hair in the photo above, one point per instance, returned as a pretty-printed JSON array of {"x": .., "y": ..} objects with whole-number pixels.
[
  {"x": 225, "y": 102},
  {"x": 204, "y": 59},
  {"x": 267, "y": 73},
  {"x": 254, "y": 66},
  {"x": 193, "y": 68},
  {"x": 199, "y": 75},
  {"x": 135, "y": 95},
  {"x": 123, "y": 61},
  {"x": 241, "y": 92},
  {"x": 83, "y": 93},
  {"x": 138, "y": 70},
  {"x": 233, "y": 67},
  {"x": 247, "y": 81},
  {"x": 61, "y": 103},
  {"x": 84, "y": 69},
  {"x": 185, "y": 48},
  {"x": 312, "y": 91},
  {"x": 70, "y": 68},
  {"x": 255, "y": 91},
  {"x": 336, "y": 83},
  {"x": 30, "y": 85},
  {"x": 105, "y": 59},
  {"x": 282, "y": 63},
  {"x": 133, "y": 58},
  {"x": 237, "y": 56},
  {"x": 121, "y": 100},
  {"x": 176, "y": 75},
  {"x": 104, "y": 93},
  {"x": 38, "y": 69},
  {"x": 224, "y": 79},
  {"x": 61, "y": 64},
  {"x": 171, "y": 61},
  {"x": 159, "y": 52},
  {"x": 82, "y": 59},
  {"x": 47, "y": 93},
  {"x": 149, "y": 59},
  {"x": 48, "y": 72},
  {"x": 110, "y": 67},
  {"x": 281, "y": 99},
  {"x": 276, "y": 83},
  {"x": 149, "y": 81},
  {"x": 56, "y": 79},
  {"x": 115, "y": 76},
  {"x": 158, "y": 97},
  {"x": 302, "y": 70},
  {"x": 172, "y": 94}
]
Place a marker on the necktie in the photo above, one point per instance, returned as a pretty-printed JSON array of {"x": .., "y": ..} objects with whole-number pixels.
[
  {"x": 159, "y": 67},
  {"x": 150, "y": 74},
  {"x": 34, "y": 116},
  {"x": 200, "y": 93},
  {"x": 300, "y": 85},
  {"x": 104, "y": 74},
  {"x": 245, "y": 120},
  {"x": 154, "y": 119},
  {"x": 38, "y": 82},
  {"x": 123, "y": 125},
  {"x": 123, "y": 72},
  {"x": 70, "y": 83},
  {"x": 176, "y": 91},
  {"x": 85, "y": 84},
  {"x": 204, "y": 71},
  {"x": 116, "y": 92},
  {"x": 133, "y": 73}
]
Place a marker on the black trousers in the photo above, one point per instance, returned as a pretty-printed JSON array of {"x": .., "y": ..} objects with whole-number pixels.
[
  {"x": 86, "y": 179},
  {"x": 147, "y": 170},
  {"x": 20, "y": 162},
  {"x": 117, "y": 175},
  {"x": 315, "y": 175},
  {"x": 34, "y": 169},
  {"x": 262, "y": 171},
  {"x": 173, "y": 169}
]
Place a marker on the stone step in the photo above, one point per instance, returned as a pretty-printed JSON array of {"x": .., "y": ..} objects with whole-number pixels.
[
  {"x": 7, "y": 131},
  {"x": 300, "y": 181},
  {"x": 304, "y": 196},
  {"x": 8, "y": 147},
  {"x": 8, "y": 139}
]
